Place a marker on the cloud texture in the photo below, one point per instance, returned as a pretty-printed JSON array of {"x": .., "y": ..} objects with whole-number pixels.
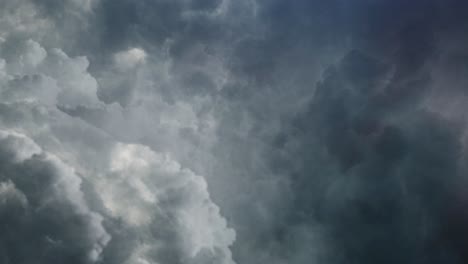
[{"x": 222, "y": 131}]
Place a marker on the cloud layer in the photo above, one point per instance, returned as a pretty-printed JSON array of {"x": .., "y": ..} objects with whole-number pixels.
[{"x": 222, "y": 131}]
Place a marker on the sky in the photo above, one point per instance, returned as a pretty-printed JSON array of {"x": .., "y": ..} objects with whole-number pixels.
[{"x": 233, "y": 132}]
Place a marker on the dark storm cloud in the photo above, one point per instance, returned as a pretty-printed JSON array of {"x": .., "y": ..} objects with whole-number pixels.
[
  {"x": 367, "y": 163},
  {"x": 396, "y": 172},
  {"x": 325, "y": 131},
  {"x": 43, "y": 215}
]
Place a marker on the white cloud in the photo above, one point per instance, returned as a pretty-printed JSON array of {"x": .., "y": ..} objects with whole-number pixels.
[
  {"x": 130, "y": 182},
  {"x": 145, "y": 188},
  {"x": 128, "y": 59},
  {"x": 50, "y": 77}
]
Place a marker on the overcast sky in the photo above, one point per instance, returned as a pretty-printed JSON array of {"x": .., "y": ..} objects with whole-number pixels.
[{"x": 233, "y": 132}]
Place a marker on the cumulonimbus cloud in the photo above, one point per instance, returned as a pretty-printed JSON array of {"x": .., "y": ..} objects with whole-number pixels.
[
  {"x": 47, "y": 181},
  {"x": 223, "y": 131}
]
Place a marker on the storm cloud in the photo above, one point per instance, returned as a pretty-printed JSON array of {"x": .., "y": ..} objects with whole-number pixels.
[{"x": 223, "y": 131}]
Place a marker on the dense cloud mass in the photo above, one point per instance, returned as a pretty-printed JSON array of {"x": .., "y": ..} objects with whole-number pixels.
[{"x": 233, "y": 131}]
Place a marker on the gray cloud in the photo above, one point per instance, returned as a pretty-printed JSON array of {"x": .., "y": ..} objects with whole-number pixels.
[
  {"x": 77, "y": 176},
  {"x": 253, "y": 131},
  {"x": 44, "y": 216},
  {"x": 393, "y": 170}
]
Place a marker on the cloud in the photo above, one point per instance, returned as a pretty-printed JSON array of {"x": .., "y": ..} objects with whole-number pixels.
[
  {"x": 44, "y": 215},
  {"x": 65, "y": 80},
  {"x": 150, "y": 191},
  {"x": 74, "y": 190},
  {"x": 128, "y": 59},
  {"x": 375, "y": 174},
  {"x": 206, "y": 131}
]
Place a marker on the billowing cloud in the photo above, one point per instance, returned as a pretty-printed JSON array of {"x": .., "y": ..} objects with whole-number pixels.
[
  {"x": 153, "y": 194},
  {"x": 76, "y": 193},
  {"x": 222, "y": 131},
  {"x": 45, "y": 218}
]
